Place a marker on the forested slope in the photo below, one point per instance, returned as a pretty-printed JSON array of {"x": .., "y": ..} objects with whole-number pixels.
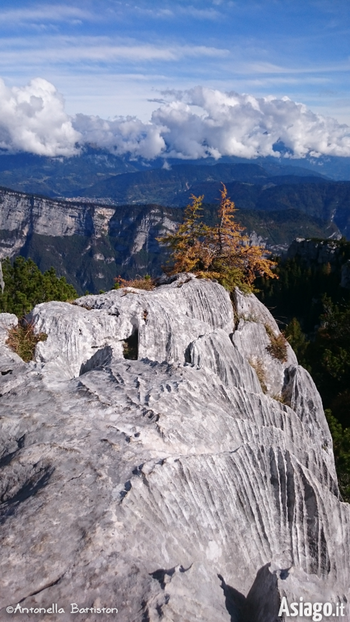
[{"x": 311, "y": 301}]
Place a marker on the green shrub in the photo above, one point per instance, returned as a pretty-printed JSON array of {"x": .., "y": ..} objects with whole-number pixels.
[
  {"x": 26, "y": 286},
  {"x": 341, "y": 447},
  {"x": 297, "y": 340}
]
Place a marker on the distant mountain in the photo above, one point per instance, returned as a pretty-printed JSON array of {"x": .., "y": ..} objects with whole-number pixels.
[
  {"x": 248, "y": 185},
  {"x": 55, "y": 177},
  {"x": 174, "y": 187},
  {"x": 334, "y": 167},
  {"x": 69, "y": 176}
]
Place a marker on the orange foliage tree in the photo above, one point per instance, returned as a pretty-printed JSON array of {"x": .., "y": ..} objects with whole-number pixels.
[{"x": 222, "y": 252}]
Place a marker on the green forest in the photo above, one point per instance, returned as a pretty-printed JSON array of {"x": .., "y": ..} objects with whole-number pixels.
[{"x": 313, "y": 310}]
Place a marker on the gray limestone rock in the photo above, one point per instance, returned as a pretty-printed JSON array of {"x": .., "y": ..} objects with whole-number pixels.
[
  {"x": 143, "y": 467},
  {"x": 8, "y": 359},
  {"x": 254, "y": 335},
  {"x": 7, "y": 320}
]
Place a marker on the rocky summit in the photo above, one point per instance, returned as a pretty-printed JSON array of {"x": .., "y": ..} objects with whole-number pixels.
[{"x": 166, "y": 456}]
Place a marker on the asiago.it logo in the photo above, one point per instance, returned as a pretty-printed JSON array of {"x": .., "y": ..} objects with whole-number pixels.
[{"x": 315, "y": 611}]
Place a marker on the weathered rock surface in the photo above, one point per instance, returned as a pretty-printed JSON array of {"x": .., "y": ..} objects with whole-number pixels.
[
  {"x": 8, "y": 358},
  {"x": 168, "y": 484}
]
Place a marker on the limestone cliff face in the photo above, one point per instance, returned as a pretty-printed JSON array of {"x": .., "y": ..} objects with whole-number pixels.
[
  {"x": 167, "y": 484},
  {"x": 23, "y": 214},
  {"x": 89, "y": 244}
]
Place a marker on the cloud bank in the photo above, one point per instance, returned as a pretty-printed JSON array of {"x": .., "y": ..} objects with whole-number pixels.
[
  {"x": 196, "y": 123},
  {"x": 33, "y": 119}
]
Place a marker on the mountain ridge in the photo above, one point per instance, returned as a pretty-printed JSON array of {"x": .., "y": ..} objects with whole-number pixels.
[{"x": 61, "y": 176}]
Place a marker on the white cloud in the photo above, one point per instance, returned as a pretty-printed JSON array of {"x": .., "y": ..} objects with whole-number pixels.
[
  {"x": 196, "y": 123},
  {"x": 178, "y": 11},
  {"x": 199, "y": 13},
  {"x": 265, "y": 68},
  {"x": 93, "y": 50},
  {"x": 33, "y": 119},
  {"x": 202, "y": 121},
  {"x": 121, "y": 135},
  {"x": 44, "y": 13}
]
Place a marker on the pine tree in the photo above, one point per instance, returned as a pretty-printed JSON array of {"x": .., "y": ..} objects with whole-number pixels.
[
  {"x": 297, "y": 340},
  {"x": 26, "y": 286}
]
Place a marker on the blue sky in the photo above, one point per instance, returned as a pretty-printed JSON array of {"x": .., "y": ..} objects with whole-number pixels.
[
  {"x": 109, "y": 57},
  {"x": 112, "y": 58}
]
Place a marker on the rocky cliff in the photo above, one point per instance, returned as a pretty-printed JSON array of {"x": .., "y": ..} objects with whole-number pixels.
[
  {"x": 145, "y": 468},
  {"x": 313, "y": 251},
  {"x": 89, "y": 244}
]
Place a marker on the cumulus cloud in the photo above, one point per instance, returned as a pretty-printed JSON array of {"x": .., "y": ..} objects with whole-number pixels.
[
  {"x": 122, "y": 135},
  {"x": 202, "y": 122},
  {"x": 33, "y": 119},
  {"x": 196, "y": 123}
]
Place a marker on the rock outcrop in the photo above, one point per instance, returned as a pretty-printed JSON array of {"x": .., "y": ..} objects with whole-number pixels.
[{"x": 144, "y": 468}]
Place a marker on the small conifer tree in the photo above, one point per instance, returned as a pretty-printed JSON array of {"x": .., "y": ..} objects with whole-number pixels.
[
  {"x": 297, "y": 340},
  {"x": 189, "y": 252},
  {"x": 222, "y": 252}
]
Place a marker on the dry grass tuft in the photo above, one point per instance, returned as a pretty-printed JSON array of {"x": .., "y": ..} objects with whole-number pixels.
[
  {"x": 278, "y": 345},
  {"x": 22, "y": 340},
  {"x": 279, "y": 398},
  {"x": 258, "y": 366},
  {"x": 145, "y": 282}
]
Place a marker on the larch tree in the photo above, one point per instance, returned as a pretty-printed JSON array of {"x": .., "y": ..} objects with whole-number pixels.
[
  {"x": 189, "y": 253},
  {"x": 222, "y": 252}
]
